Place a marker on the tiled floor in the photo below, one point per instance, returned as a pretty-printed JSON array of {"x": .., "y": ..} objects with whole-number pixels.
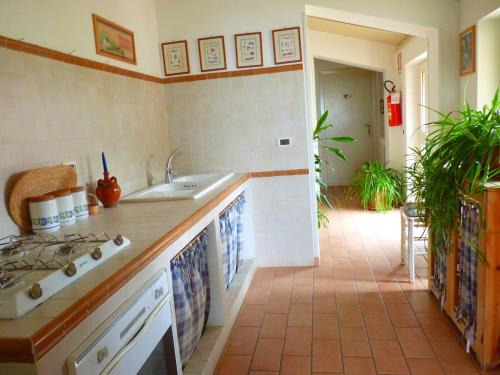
[{"x": 355, "y": 314}]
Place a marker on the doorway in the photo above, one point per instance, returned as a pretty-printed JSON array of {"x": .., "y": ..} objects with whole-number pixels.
[{"x": 352, "y": 97}]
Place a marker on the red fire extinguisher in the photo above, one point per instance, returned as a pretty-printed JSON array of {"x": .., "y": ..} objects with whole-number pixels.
[{"x": 393, "y": 104}]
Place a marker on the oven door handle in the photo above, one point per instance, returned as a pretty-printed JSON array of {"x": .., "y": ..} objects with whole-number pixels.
[{"x": 138, "y": 335}]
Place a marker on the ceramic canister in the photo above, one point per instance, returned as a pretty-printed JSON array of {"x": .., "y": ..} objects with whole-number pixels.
[
  {"x": 44, "y": 214},
  {"x": 80, "y": 202},
  {"x": 65, "y": 206}
]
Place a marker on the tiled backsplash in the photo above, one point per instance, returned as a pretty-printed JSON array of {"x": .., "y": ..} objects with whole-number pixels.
[
  {"x": 51, "y": 112},
  {"x": 234, "y": 123}
]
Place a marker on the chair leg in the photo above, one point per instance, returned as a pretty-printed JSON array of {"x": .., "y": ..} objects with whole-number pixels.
[{"x": 411, "y": 251}]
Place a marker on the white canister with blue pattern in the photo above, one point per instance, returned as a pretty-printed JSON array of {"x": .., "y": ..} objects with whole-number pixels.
[
  {"x": 65, "y": 206},
  {"x": 44, "y": 214},
  {"x": 80, "y": 202}
]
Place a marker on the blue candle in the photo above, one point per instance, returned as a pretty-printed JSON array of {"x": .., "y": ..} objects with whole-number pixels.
[{"x": 104, "y": 164}]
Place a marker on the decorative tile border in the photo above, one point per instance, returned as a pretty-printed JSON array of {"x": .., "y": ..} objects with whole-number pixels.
[
  {"x": 30, "y": 349},
  {"x": 34, "y": 49}
]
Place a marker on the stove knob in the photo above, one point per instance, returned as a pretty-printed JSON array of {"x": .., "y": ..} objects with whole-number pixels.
[
  {"x": 35, "y": 291},
  {"x": 70, "y": 269},
  {"x": 97, "y": 253},
  {"x": 118, "y": 240}
]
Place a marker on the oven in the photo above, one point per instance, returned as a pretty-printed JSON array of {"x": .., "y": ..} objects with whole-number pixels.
[{"x": 136, "y": 339}]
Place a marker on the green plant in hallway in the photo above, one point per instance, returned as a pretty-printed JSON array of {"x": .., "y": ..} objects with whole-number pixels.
[
  {"x": 320, "y": 163},
  {"x": 377, "y": 187},
  {"x": 460, "y": 157}
]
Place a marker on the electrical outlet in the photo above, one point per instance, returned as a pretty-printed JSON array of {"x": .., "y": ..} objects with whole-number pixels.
[
  {"x": 284, "y": 142},
  {"x": 71, "y": 164}
]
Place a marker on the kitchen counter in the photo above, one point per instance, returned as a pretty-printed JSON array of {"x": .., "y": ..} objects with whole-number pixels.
[{"x": 151, "y": 227}]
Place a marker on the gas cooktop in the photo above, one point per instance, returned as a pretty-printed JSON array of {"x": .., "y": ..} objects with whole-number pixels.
[{"x": 35, "y": 267}]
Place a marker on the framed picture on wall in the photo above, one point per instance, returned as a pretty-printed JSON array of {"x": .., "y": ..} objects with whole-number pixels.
[
  {"x": 212, "y": 53},
  {"x": 287, "y": 46},
  {"x": 468, "y": 51},
  {"x": 248, "y": 50},
  {"x": 175, "y": 58},
  {"x": 114, "y": 41}
]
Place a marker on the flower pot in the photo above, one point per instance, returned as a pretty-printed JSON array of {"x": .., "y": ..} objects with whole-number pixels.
[{"x": 372, "y": 205}]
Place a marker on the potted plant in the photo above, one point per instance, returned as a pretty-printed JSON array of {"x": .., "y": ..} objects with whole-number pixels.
[
  {"x": 459, "y": 158},
  {"x": 377, "y": 187},
  {"x": 324, "y": 143}
]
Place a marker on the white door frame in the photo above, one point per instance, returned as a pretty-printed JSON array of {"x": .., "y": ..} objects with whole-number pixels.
[{"x": 431, "y": 33}]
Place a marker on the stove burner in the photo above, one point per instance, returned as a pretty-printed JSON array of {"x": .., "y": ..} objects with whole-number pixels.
[
  {"x": 66, "y": 248},
  {"x": 10, "y": 249},
  {"x": 6, "y": 280}
]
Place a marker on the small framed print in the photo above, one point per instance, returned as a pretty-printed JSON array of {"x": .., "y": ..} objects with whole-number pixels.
[
  {"x": 287, "y": 46},
  {"x": 175, "y": 58},
  {"x": 112, "y": 40},
  {"x": 248, "y": 50},
  {"x": 468, "y": 51},
  {"x": 399, "y": 62},
  {"x": 212, "y": 53}
]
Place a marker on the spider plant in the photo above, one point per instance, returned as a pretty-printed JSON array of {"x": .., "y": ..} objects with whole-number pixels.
[
  {"x": 458, "y": 159},
  {"x": 377, "y": 187},
  {"x": 324, "y": 143}
]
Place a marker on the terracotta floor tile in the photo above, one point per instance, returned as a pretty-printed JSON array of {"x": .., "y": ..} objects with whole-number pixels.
[
  {"x": 258, "y": 294},
  {"x": 359, "y": 366},
  {"x": 274, "y": 326},
  {"x": 282, "y": 284},
  {"x": 302, "y": 294},
  {"x": 388, "y": 357},
  {"x": 355, "y": 342},
  {"x": 425, "y": 366},
  {"x": 279, "y": 303},
  {"x": 235, "y": 365},
  {"x": 303, "y": 277},
  {"x": 371, "y": 303},
  {"x": 345, "y": 292},
  {"x": 326, "y": 356},
  {"x": 267, "y": 355},
  {"x": 296, "y": 365},
  {"x": 414, "y": 343},
  {"x": 325, "y": 326},
  {"x": 350, "y": 315},
  {"x": 243, "y": 340},
  {"x": 300, "y": 315},
  {"x": 435, "y": 326},
  {"x": 422, "y": 301},
  {"x": 298, "y": 341},
  {"x": 324, "y": 303},
  {"x": 402, "y": 315},
  {"x": 453, "y": 358},
  {"x": 263, "y": 373},
  {"x": 263, "y": 278},
  {"x": 251, "y": 315},
  {"x": 379, "y": 327}
]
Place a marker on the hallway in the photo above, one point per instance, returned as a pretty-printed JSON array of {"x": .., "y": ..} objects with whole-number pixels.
[{"x": 355, "y": 314}]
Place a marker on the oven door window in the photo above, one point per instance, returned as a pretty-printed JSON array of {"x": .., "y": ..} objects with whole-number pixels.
[{"x": 162, "y": 360}]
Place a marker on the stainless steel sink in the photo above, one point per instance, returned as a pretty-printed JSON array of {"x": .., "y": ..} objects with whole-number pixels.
[{"x": 182, "y": 187}]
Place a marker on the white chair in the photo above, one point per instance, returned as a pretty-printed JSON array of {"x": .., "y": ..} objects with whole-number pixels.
[{"x": 410, "y": 220}]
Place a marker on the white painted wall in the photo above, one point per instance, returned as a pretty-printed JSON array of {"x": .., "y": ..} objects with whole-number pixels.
[
  {"x": 193, "y": 19},
  {"x": 488, "y": 58},
  {"x": 471, "y": 11},
  {"x": 67, "y": 25}
]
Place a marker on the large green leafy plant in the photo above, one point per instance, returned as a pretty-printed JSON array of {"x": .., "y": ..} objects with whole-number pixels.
[
  {"x": 458, "y": 159},
  {"x": 325, "y": 143},
  {"x": 378, "y": 187}
]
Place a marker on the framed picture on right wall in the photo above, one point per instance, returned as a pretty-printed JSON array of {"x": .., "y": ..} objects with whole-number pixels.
[
  {"x": 468, "y": 51},
  {"x": 287, "y": 46}
]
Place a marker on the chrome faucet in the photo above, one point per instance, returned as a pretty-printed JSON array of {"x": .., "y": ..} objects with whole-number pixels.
[{"x": 169, "y": 172}]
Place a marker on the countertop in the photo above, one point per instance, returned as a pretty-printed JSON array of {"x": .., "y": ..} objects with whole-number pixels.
[{"x": 151, "y": 228}]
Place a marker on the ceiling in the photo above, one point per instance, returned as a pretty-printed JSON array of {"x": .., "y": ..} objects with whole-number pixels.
[{"x": 355, "y": 31}]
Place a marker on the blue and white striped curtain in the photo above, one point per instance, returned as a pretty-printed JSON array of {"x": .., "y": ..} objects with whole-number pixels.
[
  {"x": 231, "y": 234},
  {"x": 467, "y": 281},
  {"x": 191, "y": 290},
  {"x": 439, "y": 276}
]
